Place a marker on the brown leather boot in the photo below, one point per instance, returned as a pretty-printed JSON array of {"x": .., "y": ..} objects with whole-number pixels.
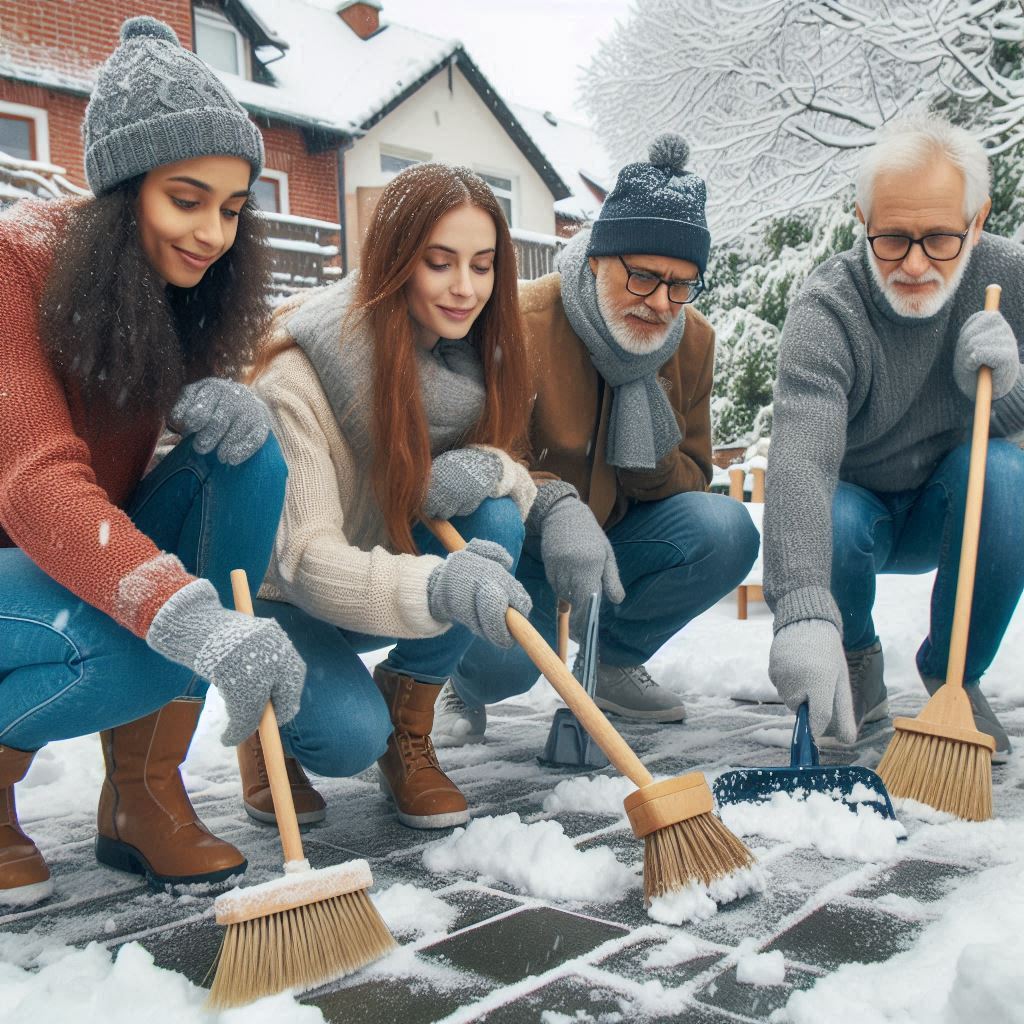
[
  {"x": 256, "y": 798},
  {"x": 424, "y": 796},
  {"x": 146, "y": 821},
  {"x": 24, "y": 876}
]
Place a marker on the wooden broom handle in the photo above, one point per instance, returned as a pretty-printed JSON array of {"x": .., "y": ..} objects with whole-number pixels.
[
  {"x": 972, "y": 515},
  {"x": 563, "y": 629},
  {"x": 273, "y": 752},
  {"x": 590, "y": 716}
]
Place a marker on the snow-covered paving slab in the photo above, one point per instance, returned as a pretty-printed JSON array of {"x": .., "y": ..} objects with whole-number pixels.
[{"x": 536, "y": 907}]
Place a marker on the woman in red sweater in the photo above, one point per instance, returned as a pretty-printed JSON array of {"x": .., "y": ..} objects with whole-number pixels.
[{"x": 119, "y": 314}]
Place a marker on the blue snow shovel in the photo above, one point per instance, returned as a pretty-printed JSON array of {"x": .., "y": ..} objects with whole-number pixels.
[
  {"x": 804, "y": 775},
  {"x": 569, "y": 745}
]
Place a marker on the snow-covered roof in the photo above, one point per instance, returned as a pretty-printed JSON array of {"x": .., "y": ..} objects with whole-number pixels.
[{"x": 576, "y": 154}]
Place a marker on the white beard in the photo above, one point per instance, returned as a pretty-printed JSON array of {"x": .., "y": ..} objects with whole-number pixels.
[
  {"x": 926, "y": 306},
  {"x": 633, "y": 340}
]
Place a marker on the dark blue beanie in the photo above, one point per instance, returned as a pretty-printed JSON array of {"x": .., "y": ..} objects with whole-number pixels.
[{"x": 655, "y": 209}]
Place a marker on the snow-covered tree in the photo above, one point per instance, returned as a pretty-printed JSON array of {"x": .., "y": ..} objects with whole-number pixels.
[{"x": 777, "y": 97}]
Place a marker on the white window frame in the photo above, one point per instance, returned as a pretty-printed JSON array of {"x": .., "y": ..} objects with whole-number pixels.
[
  {"x": 218, "y": 21},
  {"x": 513, "y": 193},
  {"x": 281, "y": 178},
  {"x": 417, "y": 156},
  {"x": 40, "y": 119}
]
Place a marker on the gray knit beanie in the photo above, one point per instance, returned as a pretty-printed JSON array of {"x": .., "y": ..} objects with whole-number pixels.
[
  {"x": 655, "y": 209},
  {"x": 157, "y": 103}
]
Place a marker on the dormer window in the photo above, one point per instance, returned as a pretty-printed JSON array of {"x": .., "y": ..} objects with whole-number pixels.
[{"x": 220, "y": 44}]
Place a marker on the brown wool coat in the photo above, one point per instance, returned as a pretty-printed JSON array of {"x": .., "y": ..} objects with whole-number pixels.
[{"x": 571, "y": 404}]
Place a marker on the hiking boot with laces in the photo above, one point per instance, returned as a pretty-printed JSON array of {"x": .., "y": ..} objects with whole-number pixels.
[
  {"x": 456, "y": 724},
  {"x": 984, "y": 717},
  {"x": 867, "y": 687},
  {"x": 424, "y": 796},
  {"x": 256, "y": 797},
  {"x": 630, "y": 691}
]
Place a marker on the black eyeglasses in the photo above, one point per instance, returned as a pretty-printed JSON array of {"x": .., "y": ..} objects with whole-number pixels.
[
  {"x": 643, "y": 283},
  {"x": 940, "y": 246}
]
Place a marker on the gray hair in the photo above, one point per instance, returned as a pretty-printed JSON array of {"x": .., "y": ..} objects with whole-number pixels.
[{"x": 908, "y": 143}]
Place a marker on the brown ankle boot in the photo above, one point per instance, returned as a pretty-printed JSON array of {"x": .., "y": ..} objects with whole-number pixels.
[
  {"x": 24, "y": 876},
  {"x": 424, "y": 796},
  {"x": 256, "y": 798},
  {"x": 146, "y": 821}
]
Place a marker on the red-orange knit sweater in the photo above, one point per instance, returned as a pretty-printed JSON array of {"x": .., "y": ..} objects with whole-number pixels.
[{"x": 66, "y": 473}]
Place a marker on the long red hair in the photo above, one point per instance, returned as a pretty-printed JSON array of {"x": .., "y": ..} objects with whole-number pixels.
[{"x": 408, "y": 210}]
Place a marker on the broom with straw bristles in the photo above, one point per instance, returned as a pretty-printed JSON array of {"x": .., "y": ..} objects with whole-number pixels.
[
  {"x": 301, "y": 930},
  {"x": 940, "y": 758},
  {"x": 683, "y": 840}
]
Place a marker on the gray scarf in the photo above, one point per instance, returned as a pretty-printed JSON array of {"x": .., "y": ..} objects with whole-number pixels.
[
  {"x": 642, "y": 427},
  {"x": 451, "y": 377}
]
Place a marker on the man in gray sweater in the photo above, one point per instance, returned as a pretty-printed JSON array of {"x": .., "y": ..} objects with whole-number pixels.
[{"x": 873, "y": 409}]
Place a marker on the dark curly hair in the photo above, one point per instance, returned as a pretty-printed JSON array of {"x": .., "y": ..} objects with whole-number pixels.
[{"x": 127, "y": 341}]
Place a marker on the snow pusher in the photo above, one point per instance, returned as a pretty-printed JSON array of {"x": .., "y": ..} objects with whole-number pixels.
[
  {"x": 569, "y": 745},
  {"x": 852, "y": 784}
]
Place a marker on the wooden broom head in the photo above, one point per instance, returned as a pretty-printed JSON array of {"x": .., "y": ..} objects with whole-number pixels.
[{"x": 662, "y": 804}]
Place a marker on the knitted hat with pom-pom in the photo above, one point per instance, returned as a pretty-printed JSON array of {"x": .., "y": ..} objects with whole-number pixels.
[
  {"x": 156, "y": 103},
  {"x": 655, "y": 209}
]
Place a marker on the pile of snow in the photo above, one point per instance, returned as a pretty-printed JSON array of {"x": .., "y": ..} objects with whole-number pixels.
[
  {"x": 964, "y": 966},
  {"x": 698, "y": 902},
  {"x": 539, "y": 859},
  {"x": 595, "y": 794},
  {"x": 753, "y": 968},
  {"x": 816, "y": 820},
  {"x": 89, "y": 987},
  {"x": 677, "y": 950},
  {"x": 409, "y": 910}
]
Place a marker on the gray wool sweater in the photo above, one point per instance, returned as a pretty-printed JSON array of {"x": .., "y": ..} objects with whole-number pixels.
[{"x": 867, "y": 396}]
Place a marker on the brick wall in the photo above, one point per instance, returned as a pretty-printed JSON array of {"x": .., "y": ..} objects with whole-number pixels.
[
  {"x": 64, "y": 114},
  {"x": 312, "y": 177}
]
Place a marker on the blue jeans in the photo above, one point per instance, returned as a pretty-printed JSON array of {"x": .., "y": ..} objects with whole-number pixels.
[
  {"x": 676, "y": 558},
  {"x": 68, "y": 669},
  {"x": 920, "y": 530},
  {"x": 343, "y": 723}
]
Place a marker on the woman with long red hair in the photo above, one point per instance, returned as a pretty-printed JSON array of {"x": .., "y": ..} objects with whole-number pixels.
[{"x": 398, "y": 393}]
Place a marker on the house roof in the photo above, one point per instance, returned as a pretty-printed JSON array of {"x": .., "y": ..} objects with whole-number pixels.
[{"x": 576, "y": 153}]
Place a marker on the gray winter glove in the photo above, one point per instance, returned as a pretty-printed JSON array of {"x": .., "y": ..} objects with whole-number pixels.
[
  {"x": 224, "y": 415},
  {"x": 459, "y": 481},
  {"x": 249, "y": 660},
  {"x": 807, "y": 663},
  {"x": 986, "y": 339},
  {"x": 475, "y": 588},
  {"x": 577, "y": 555}
]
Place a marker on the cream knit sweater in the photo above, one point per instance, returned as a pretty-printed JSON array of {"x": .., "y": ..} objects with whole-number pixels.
[{"x": 331, "y": 555}]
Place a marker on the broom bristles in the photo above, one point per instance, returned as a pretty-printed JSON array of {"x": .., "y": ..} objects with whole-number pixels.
[
  {"x": 299, "y": 948},
  {"x": 700, "y": 849},
  {"x": 950, "y": 775}
]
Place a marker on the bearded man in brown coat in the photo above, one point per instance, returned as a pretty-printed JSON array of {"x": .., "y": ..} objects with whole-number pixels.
[{"x": 621, "y": 440}]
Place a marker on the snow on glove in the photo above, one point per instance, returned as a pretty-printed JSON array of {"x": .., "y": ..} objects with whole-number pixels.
[
  {"x": 577, "y": 555},
  {"x": 807, "y": 663},
  {"x": 224, "y": 415},
  {"x": 249, "y": 660},
  {"x": 986, "y": 339},
  {"x": 475, "y": 588},
  {"x": 460, "y": 479}
]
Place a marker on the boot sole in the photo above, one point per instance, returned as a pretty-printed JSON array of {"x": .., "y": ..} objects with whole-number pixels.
[
  {"x": 27, "y": 895},
  {"x": 270, "y": 818},
  {"x": 423, "y": 821},
  {"x": 662, "y": 715},
  {"x": 123, "y": 857}
]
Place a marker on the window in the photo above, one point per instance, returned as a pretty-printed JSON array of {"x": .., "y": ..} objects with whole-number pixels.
[
  {"x": 502, "y": 189},
  {"x": 24, "y": 132},
  {"x": 270, "y": 190},
  {"x": 220, "y": 44},
  {"x": 394, "y": 159}
]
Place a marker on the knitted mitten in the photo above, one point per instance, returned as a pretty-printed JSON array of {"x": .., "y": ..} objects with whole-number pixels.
[{"x": 224, "y": 415}]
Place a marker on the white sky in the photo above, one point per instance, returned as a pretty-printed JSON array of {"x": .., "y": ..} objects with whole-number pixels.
[{"x": 530, "y": 50}]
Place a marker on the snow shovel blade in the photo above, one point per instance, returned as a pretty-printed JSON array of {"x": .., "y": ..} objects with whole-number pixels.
[
  {"x": 805, "y": 775},
  {"x": 569, "y": 745}
]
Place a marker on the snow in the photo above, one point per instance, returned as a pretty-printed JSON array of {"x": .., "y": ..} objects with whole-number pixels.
[
  {"x": 537, "y": 858},
  {"x": 761, "y": 968},
  {"x": 819, "y": 821},
  {"x": 410, "y": 910},
  {"x": 698, "y": 902},
  {"x": 594, "y": 794}
]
